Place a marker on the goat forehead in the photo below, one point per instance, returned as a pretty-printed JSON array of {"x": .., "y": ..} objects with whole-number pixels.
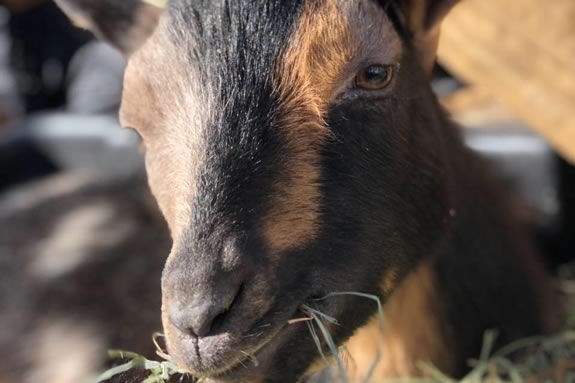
[
  {"x": 235, "y": 44},
  {"x": 248, "y": 81},
  {"x": 243, "y": 51},
  {"x": 250, "y": 54}
]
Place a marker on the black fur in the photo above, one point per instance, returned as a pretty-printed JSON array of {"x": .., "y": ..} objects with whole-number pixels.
[{"x": 242, "y": 137}]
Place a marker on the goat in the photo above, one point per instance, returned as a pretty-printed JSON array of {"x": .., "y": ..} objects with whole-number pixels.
[{"x": 296, "y": 149}]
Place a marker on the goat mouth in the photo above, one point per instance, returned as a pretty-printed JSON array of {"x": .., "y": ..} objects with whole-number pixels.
[
  {"x": 259, "y": 355},
  {"x": 247, "y": 362}
]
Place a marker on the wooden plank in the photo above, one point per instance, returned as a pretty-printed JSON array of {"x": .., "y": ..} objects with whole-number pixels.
[
  {"x": 523, "y": 51},
  {"x": 474, "y": 106}
]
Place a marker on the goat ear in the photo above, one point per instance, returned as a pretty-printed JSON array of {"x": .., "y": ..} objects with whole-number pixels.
[
  {"x": 126, "y": 24},
  {"x": 424, "y": 19}
]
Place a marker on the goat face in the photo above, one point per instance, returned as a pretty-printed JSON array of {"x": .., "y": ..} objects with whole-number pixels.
[{"x": 293, "y": 148}]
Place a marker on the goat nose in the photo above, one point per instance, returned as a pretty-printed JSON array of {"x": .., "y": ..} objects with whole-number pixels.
[{"x": 197, "y": 316}]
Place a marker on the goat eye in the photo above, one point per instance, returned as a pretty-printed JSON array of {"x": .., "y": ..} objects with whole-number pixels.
[{"x": 375, "y": 77}]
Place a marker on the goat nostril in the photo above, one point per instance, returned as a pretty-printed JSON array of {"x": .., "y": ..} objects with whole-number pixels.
[
  {"x": 220, "y": 318},
  {"x": 202, "y": 319}
]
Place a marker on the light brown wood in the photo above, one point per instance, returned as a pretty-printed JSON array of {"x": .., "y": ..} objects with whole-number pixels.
[
  {"x": 523, "y": 52},
  {"x": 475, "y": 106}
]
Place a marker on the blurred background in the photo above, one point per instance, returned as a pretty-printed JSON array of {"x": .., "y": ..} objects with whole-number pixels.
[{"x": 81, "y": 243}]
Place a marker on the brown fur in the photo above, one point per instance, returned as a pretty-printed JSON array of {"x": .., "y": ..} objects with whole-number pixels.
[
  {"x": 315, "y": 68},
  {"x": 412, "y": 332}
]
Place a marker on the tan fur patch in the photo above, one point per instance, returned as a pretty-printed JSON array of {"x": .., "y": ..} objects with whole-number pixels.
[
  {"x": 412, "y": 332},
  {"x": 161, "y": 98},
  {"x": 330, "y": 42}
]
